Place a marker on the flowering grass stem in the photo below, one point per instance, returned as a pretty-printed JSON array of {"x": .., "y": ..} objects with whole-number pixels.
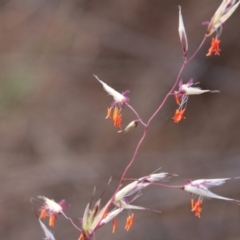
[{"x": 153, "y": 115}]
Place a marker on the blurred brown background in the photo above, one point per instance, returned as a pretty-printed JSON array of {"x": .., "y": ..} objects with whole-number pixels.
[{"x": 54, "y": 138}]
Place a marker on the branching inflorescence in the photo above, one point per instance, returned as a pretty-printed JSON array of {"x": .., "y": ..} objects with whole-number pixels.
[{"x": 96, "y": 216}]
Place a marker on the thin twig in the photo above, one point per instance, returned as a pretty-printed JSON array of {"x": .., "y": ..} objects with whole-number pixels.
[{"x": 136, "y": 113}]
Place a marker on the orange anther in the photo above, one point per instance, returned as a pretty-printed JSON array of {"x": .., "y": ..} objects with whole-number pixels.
[
  {"x": 81, "y": 237},
  {"x": 114, "y": 226},
  {"x": 129, "y": 222},
  {"x": 117, "y": 118},
  {"x": 43, "y": 213},
  {"x": 109, "y": 112},
  {"x": 177, "y": 98},
  {"x": 52, "y": 220},
  {"x": 178, "y": 116},
  {"x": 196, "y": 207},
  {"x": 214, "y": 47}
]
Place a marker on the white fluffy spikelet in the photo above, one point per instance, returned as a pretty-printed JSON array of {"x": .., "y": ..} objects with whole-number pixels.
[
  {"x": 118, "y": 97},
  {"x": 51, "y": 205},
  {"x": 195, "y": 90},
  {"x": 200, "y": 187}
]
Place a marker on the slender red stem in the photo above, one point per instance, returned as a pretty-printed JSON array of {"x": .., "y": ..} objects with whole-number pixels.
[
  {"x": 133, "y": 158},
  {"x": 169, "y": 94},
  {"x": 154, "y": 114},
  {"x": 197, "y": 50},
  {"x": 136, "y": 113},
  {"x": 68, "y": 218}
]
